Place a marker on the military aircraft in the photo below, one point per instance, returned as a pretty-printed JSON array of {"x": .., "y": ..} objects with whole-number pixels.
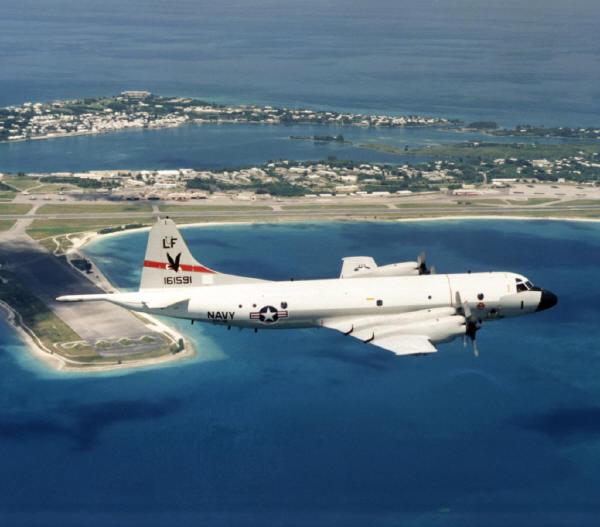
[{"x": 403, "y": 307}]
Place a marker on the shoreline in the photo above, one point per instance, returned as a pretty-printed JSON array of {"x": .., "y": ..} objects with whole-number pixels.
[
  {"x": 91, "y": 236},
  {"x": 58, "y": 363}
]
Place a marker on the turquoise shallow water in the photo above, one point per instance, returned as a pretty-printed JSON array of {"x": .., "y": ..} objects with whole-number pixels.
[{"x": 307, "y": 426}]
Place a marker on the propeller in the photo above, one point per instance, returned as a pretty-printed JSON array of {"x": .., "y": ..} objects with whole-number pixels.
[
  {"x": 472, "y": 324},
  {"x": 422, "y": 265}
]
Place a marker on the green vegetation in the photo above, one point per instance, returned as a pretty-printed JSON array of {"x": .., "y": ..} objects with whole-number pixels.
[
  {"x": 404, "y": 205},
  {"x": 51, "y": 188},
  {"x": 6, "y": 224},
  {"x": 581, "y": 202},
  {"x": 48, "y": 327},
  {"x": 491, "y": 201},
  {"x": 526, "y": 130},
  {"x": 522, "y": 151},
  {"x": 7, "y": 195},
  {"x": 483, "y": 125},
  {"x": 44, "y": 228},
  {"x": 470, "y": 150},
  {"x": 211, "y": 208},
  {"x": 14, "y": 208},
  {"x": 336, "y": 206},
  {"x": 384, "y": 148},
  {"x": 77, "y": 182},
  {"x": 93, "y": 208},
  {"x": 6, "y": 191},
  {"x": 531, "y": 201},
  {"x": 21, "y": 182}
]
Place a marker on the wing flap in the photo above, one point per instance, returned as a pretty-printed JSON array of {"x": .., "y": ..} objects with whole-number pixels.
[
  {"x": 409, "y": 333},
  {"x": 405, "y": 344}
]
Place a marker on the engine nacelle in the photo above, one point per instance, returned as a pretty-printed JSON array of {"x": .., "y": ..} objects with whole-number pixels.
[{"x": 395, "y": 269}]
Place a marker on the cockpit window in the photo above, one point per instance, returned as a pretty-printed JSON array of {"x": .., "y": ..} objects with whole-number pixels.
[{"x": 524, "y": 286}]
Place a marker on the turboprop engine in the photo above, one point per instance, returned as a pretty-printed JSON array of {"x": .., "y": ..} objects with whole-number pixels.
[{"x": 366, "y": 267}]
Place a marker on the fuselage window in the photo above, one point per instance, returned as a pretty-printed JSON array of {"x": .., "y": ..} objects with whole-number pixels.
[
  {"x": 480, "y": 296},
  {"x": 283, "y": 305},
  {"x": 380, "y": 302}
]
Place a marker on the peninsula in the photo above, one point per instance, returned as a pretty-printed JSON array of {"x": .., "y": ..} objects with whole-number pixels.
[{"x": 141, "y": 109}]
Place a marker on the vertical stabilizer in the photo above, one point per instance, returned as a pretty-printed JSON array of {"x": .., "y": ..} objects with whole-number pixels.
[{"x": 168, "y": 262}]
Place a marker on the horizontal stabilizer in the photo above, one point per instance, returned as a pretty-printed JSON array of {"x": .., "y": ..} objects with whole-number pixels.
[
  {"x": 84, "y": 298},
  {"x": 164, "y": 304}
]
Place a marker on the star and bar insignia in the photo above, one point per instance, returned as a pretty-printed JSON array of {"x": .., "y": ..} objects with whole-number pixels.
[{"x": 268, "y": 314}]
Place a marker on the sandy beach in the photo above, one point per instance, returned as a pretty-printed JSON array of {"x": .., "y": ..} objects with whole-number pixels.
[{"x": 79, "y": 242}]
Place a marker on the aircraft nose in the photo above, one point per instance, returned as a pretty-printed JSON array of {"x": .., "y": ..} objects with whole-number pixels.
[{"x": 547, "y": 300}]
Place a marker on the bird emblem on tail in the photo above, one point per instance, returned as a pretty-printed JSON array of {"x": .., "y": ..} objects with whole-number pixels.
[{"x": 173, "y": 263}]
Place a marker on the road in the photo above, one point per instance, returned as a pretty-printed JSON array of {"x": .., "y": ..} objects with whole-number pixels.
[{"x": 320, "y": 211}]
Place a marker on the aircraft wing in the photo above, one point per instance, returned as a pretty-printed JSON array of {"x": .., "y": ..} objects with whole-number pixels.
[
  {"x": 408, "y": 333},
  {"x": 405, "y": 344},
  {"x": 354, "y": 266}
]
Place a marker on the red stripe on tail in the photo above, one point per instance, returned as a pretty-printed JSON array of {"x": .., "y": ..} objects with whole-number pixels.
[{"x": 182, "y": 267}]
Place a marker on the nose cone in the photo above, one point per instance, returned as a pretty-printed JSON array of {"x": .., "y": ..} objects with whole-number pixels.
[{"x": 547, "y": 300}]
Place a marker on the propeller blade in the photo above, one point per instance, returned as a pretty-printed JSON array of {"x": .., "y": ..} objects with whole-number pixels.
[
  {"x": 475, "y": 348},
  {"x": 467, "y": 311},
  {"x": 432, "y": 269},
  {"x": 422, "y": 264}
]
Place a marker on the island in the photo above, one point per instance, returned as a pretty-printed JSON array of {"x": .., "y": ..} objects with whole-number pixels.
[
  {"x": 47, "y": 218},
  {"x": 141, "y": 109}
]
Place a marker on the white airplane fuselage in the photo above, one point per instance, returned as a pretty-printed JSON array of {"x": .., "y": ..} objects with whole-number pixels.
[
  {"x": 306, "y": 303},
  {"x": 400, "y": 307}
]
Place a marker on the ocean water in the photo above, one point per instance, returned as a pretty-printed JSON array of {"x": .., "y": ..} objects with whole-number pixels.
[
  {"x": 308, "y": 427},
  {"x": 511, "y": 61},
  {"x": 218, "y": 146}
]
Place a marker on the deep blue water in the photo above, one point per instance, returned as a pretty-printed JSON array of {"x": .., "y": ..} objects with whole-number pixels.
[
  {"x": 511, "y": 61},
  {"x": 310, "y": 428}
]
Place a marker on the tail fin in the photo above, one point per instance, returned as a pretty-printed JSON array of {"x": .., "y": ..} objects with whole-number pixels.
[{"x": 169, "y": 263}]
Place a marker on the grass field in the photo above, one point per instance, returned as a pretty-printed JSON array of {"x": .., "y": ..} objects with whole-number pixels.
[
  {"x": 491, "y": 201},
  {"x": 212, "y": 208},
  {"x": 531, "y": 201},
  {"x": 48, "y": 327},
  {"x": 51, "y": 188},
  {"x": 582, "y": 202},
  {"x": 338, "y": 206},
  {"x": 93, "y": 208},
  {"x": 489, "y": 150},
  {"x": 499, "y": 150},
  {"x": 404, "y": 205},
  {"x": 14, "y": 208},
  {"x": 7, "y": 195},
  {"x": 6, "y": 224},
  {"x": 21, "y": 183},
  {"x": 44, "y": 228}
]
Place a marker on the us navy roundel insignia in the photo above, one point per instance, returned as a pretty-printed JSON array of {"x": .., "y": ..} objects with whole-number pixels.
[{"x": 268, "y": 314}]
